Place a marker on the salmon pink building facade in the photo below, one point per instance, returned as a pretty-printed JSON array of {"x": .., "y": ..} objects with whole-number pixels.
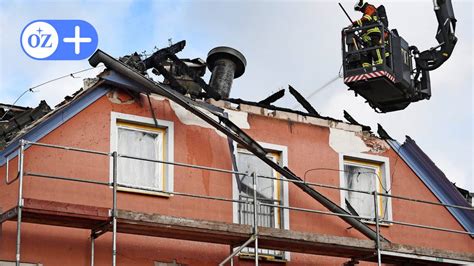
[{"x": 185, "y": 191}]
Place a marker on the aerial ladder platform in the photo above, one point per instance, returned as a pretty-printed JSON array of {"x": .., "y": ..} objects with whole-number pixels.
[{"x": 404, "y": 76}]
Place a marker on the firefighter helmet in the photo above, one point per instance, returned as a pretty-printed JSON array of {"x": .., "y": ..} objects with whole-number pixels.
[{"x": 359, "y": 4}]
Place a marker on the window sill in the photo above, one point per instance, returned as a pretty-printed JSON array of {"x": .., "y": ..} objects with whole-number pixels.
[{"x": 144, "y": 192}]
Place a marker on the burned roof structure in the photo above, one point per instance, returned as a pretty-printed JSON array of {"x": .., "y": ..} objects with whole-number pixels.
[
  {"x": 8, "y": 111},
  {"x": 226, "y": 63},
  {"x": 18, "y": 120},
  {"x": 15, "y": 118}
]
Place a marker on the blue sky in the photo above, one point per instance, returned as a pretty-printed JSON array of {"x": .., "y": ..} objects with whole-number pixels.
[{"x": 285, "y": 42}]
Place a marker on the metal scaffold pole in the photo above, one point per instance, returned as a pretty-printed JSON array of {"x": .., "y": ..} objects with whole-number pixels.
[
  {"x": 92, "y": 249},
  {"x": 255, "y": 215},
  {"x": 20, "y": 201},
  {"x": 114, "y": 210},
  {"x": 237, "y": 251},
  {"x": 377, "y": 228},
  {"x": 253, "y": 237}
]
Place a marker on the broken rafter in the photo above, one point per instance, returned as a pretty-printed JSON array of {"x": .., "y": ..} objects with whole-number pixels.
[
  {"x": 157, "y": 58},
  {"x": 382, "y": 133},
  {"x": 351, "y": 120},
  {"x": 161, "y": 55},
  {"x": 273, "y": 98},
  {"x": 306, "y": 105}
]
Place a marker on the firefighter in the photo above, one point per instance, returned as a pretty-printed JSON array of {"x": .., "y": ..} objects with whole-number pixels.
[{"x": 370, "y": 36}]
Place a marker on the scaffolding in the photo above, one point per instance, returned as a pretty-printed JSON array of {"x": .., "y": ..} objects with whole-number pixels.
[{"x": 381, "y": 253}]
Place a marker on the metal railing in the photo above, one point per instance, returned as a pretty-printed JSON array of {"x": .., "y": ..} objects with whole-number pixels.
[
  {"x": 259, "y": 208},
  {"x": 360, "y": 48}
]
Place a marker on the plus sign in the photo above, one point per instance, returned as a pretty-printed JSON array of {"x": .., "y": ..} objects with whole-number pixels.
[
  {"x": 39, "y": 31},
  {"x": 77, "y": 40}
]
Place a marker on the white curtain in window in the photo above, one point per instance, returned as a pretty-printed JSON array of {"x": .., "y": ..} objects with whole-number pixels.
[
  {"x": 360, "y": 178},
  {"x": 140, "y": 144}
]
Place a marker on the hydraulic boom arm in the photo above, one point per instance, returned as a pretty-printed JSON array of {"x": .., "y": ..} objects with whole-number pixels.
[{"x": 434, "y": 57}]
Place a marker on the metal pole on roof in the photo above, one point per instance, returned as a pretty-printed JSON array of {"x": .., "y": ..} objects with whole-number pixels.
[
  {"x": 20, "y": 202},
  {"x": 255, "y": 215},
  {"x": 114, "y": 209},
  {"x": 377, "y": 228}
]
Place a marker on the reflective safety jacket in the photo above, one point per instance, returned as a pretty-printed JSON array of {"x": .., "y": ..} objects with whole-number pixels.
[{"x": 370, "y": 17}]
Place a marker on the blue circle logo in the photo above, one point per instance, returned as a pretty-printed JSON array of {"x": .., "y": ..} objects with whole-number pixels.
[{"x": 59, "y": 39}]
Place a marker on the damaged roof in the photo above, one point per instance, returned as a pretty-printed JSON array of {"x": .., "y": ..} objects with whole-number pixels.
[
  {"x": 8, "y": 111},
  {"x": 34, "y": 123},
  {"x": 22, "y": 123},
  {"x": 435, "y": 180},
  {"x": 15, "y": 118},
  {"x": 18, "y": 121}
]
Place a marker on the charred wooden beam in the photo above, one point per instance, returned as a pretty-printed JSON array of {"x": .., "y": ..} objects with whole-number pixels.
[
  {"x": 382, "y": 133},
  {"x": 306, "y": 105},
  {"x": 351, "y": 120},
  {"x": 161, "y": 55},
  {"x": 273, "y": 98}
]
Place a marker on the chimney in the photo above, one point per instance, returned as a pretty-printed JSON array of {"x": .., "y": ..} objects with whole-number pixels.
[{"x": 226, "y": 64}]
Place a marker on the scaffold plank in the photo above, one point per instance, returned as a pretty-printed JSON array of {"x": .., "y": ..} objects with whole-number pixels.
[
  {"x": 59, "y": 213},
  {"x": 218, "y": 232}
]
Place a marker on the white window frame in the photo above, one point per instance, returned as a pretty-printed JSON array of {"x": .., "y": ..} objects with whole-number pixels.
[
  {"x": 384, "y": 163},
  {"x": 283, "y": 151},
  {"x": 168, "y": 126},
  {"x": 275, "y": 156}
]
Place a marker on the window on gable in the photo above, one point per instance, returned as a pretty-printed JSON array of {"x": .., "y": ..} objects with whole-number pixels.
[
  {"x": 269, "y": 191},
  {"x": 145, "y": 142},
  {"x": 366, "y": 176}
]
